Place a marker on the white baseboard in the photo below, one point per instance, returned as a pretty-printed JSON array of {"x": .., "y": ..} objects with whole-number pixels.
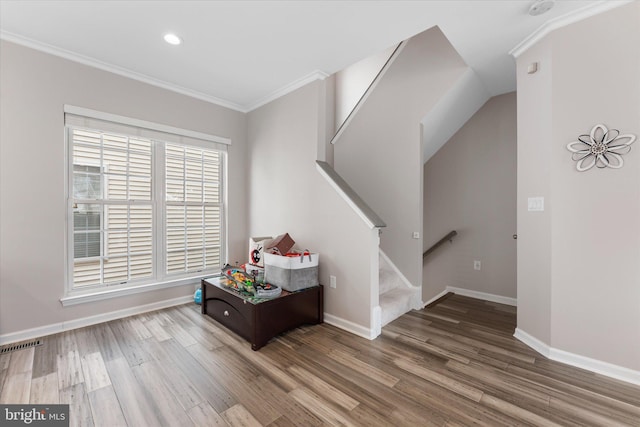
[
  {"x": 532, "y": 342},
  {"x": 440, "y": 295},
  {"x": 583, "y": 362},
  {"x": 349, "y": 326},
  {"x": 483, "y": 295},
  {"x": 55, "y": 328}
]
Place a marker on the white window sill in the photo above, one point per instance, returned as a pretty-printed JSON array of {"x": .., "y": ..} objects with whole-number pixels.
[{"x": 81, "y": 297}]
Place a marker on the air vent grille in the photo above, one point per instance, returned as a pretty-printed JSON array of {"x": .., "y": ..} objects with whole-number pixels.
[{"x": 21, "y": 346}]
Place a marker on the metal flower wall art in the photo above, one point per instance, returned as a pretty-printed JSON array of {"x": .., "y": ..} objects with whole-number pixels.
[{"x": 602, "y": 148}]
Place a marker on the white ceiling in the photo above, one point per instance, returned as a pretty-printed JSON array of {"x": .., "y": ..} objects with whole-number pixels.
[{"x": 243, "y": 53}]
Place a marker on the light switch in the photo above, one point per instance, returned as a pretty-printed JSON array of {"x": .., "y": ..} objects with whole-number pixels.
[{"x": 535, "y": 204}]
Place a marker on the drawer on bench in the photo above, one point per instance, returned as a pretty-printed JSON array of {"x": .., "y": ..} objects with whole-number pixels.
[
  {"x": 237, "y": 302},
  {"x": 230, "y": 316}
]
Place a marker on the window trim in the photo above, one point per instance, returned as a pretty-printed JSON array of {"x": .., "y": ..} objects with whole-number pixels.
[
  {"x": 99, "y": 294},
  {"x": 161, "y": 278},
  {"x": 142, "y": 125}
]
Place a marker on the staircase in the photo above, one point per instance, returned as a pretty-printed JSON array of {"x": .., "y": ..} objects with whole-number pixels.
[
  {"x": 397, "y": 295},
  {"x": 426, "y": 76}
]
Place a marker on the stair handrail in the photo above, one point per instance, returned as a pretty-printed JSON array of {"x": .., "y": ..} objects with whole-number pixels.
[
  {"x": 352, "y": 198},
  {"x": 365, "y": 95},
  {"x": 449, "y": 237}
]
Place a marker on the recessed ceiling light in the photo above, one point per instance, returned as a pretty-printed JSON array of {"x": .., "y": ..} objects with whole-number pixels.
[
  {"x": 172, "y": 39},
  {"x": 540, "y": 7}
]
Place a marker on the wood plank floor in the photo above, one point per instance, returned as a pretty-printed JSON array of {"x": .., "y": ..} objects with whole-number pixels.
[{"x": 453, "y": 364}]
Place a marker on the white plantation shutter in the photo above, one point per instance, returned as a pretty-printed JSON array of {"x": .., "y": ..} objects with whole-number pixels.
[
  {"x": 145, "y": 201},
  {"x": 193, "y": 206},
  {"x": 112, "y": 207}
]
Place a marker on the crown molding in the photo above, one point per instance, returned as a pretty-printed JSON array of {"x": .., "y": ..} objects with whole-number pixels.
[
  {"x": 302, "y": 81},
  {"x": 564, "y": 20},
  {"x": 92, "y": 62}
]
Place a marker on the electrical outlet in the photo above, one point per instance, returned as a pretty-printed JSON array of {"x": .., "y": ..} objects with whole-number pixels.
[
  {"x": 535, "y": 204},
  {"x": 332, "y": 280},
  {"x": 477, "y": 265},
  {"x": 416, "y": 234}
]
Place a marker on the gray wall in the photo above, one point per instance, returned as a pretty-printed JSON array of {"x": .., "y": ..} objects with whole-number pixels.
[
  {"x": 585, "y": 247},
  {"x": 35, "y": 86},
  {"x": 380, "y": 152},
  {"x": 534, "y": 180},
  {"x": 470, "y": 187},
  {"x": 287, "y": 194},
  {"x": 352, "y": 82}
]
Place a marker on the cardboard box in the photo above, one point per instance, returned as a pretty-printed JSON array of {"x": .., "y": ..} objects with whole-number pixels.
[
  {"x": 256, "y": 250},
  {"x": 281, "y": 244}
]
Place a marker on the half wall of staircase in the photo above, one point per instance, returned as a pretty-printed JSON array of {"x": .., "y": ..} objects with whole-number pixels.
[
  {"x": 380, "y": 152},
  {"x": 290, "y": 194}
]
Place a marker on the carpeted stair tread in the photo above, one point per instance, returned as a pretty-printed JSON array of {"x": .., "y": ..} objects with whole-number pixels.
[
  {"x": 388, "y": 281},
  {"x": 396, "y": 302}
]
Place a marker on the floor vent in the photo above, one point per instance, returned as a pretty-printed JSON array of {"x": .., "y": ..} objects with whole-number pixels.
[{"x": 21, "y": 346}]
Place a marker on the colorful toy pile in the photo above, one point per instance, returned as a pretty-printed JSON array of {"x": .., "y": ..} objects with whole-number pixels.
[{"x": 241, "y": 281}]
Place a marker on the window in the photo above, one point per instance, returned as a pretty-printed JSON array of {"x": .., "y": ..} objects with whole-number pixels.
[
  {"x": 193, "y": 208},
  {"x": 145, "y": 205},
  {"x": 87, "y": 184}
]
